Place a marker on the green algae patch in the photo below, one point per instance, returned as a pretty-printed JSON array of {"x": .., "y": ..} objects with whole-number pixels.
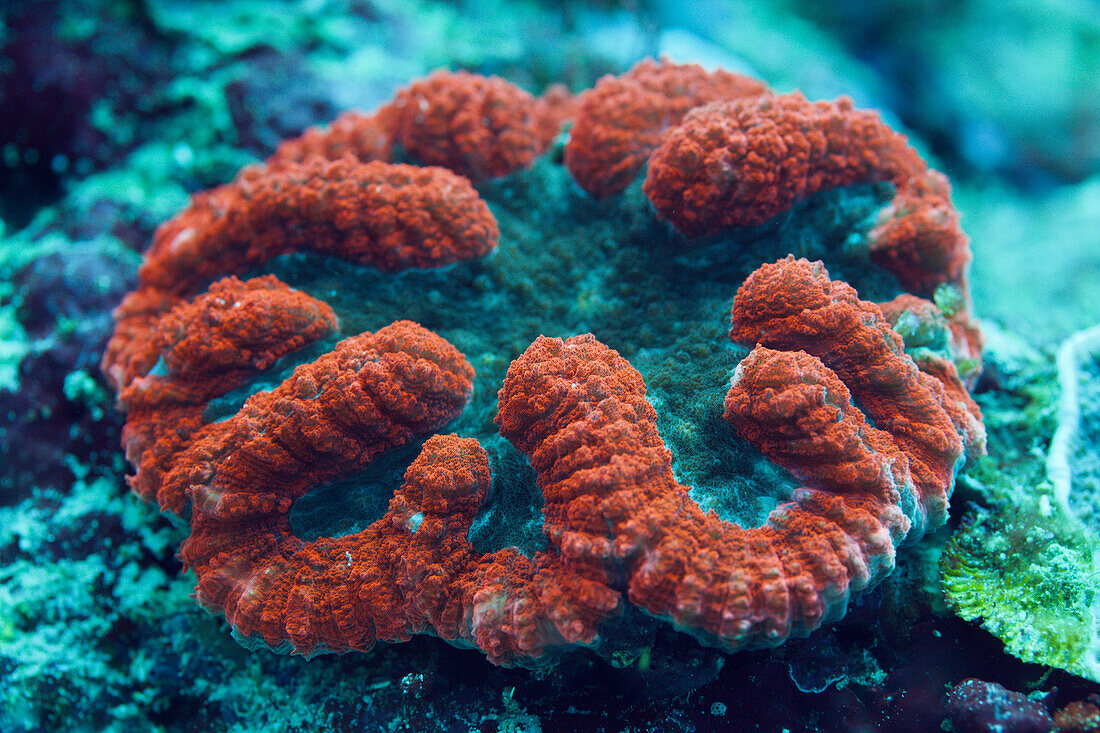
[
  {"x": 1029, "y": 580},
  {"x": 1018, "y": 563}
]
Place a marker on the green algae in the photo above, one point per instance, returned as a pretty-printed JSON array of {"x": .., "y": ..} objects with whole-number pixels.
[
  {"x": 14, "y": 345},
  {"x": 1029, "y": 580},
  {"x": 1018, "y": 564}
]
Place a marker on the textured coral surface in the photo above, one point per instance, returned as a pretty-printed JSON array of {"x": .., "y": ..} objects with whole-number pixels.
[
  {"x": 372, "y": 393},
  {"x": 794, "y": 305},
  {"x": 207, "y": 348},
  {"x": 389, "y": 216},
  {"x": 741, "y": 163},
  {"x": 474, "y": 125},
  {"x": 623, "y": 118},
  {"x": 621, "y": 525}
]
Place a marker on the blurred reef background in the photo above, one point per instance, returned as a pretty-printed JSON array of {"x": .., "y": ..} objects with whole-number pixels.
[{"x": 113, "y": 112}]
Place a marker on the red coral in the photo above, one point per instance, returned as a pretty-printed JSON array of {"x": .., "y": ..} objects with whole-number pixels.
[
  {"x": 331, "y": 417},
  {"x": 209, "y": 347},
  {"x": 578, "y": 410},
  {"x": 616, "y": 519},
  {"x": 1080, "y": 716},
  {"x": 415, "y": 568},
  {"x": 385, "y": 215},
  {"x": 230, "y": 332},
  {"x": 740, "y": 163},
  {"x": 372, "y": 393},
  {"x": 553, "y": 109},
  {"x": 132, "y": 350},
  {"x": 918, "y": 236},
  {"x": 412, "y": 570},
  {"x": 615, "y": 513},
  {"x": 799, "y": 414},
  {"x": 366, "y": 137},
  {"x": 475, "y": 125},
  {"x": 388, "y": 216},
  {"x": 947, "y": 349},
  {"x": 924, "y": 325},
  {"x": 623, "y": 118},
  {"x": 793, "y": 305}
]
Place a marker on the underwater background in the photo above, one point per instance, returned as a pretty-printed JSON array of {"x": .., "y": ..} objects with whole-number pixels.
[{"x": 113, "y": 113}]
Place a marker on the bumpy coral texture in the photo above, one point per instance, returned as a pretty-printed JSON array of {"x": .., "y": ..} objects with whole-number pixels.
[
  {"x": 732, "y": 164},
  {"x": 553, "y": 109},
  {"x": 947, "y": 347},
  {"x": 947, "y": 332},
  {"x": 477, "y": 126},
  {"x": 614, "y": 509},
  {"x": 799, "y": 413},
  {"x": 620, "y": 528},
  {"x": 207, "y": 348},
  {"x": 793, "y": 305},
  {"x": 918, "y": 237},
  {"x": 388, "y": 216},
  {"x": 622, "y": 119},
  {"x": 369, "y": 213},
  {"x": 372, "y": 393},
  {"x": 415, "y": 571}
]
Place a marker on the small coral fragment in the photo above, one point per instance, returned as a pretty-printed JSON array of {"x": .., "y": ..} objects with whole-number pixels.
[
  {"x": 977, "y": 706},
  {"x": 622, "y": 119}
]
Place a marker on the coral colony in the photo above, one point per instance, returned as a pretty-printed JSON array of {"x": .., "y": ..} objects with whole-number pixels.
[{"x": 873, "y": 428}]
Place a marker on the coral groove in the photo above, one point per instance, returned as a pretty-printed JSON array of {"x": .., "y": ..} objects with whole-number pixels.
[
  {"x": 331, "y": 417},
  {"x": 613, "y": 507},
  {"x": 793, "y": 305},
  {"x": 208, "y": 347}
]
